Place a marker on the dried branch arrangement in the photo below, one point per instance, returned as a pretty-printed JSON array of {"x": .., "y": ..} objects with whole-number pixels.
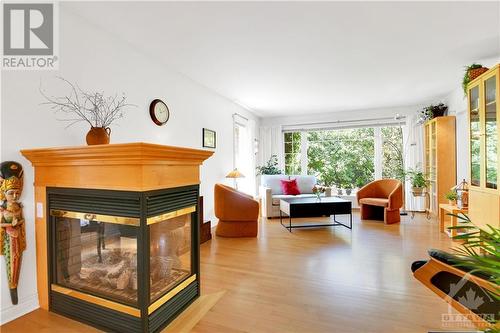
[{"x": 94, "y": 108}]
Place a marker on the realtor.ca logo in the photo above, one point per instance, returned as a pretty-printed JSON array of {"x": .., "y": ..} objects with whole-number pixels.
[
  {"x": 29, "y": 36},
  {"x": 480, "y": 302}
]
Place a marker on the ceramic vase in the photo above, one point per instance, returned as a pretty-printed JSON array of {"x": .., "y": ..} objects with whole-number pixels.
[{"x": 98, "y": 136}]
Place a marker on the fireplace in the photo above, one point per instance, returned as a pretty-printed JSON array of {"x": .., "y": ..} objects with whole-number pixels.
[
  {"x": 129, "y": 258},
  {"x": 117, "y": 233}
]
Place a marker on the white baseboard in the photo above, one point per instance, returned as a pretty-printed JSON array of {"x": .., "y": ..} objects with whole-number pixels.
[{"x": 25, "y": 305}]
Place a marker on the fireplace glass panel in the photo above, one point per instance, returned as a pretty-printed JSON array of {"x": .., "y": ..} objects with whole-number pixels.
[
  {"x": 170, "y": 254},
  {"x": 97, "y": 257}
]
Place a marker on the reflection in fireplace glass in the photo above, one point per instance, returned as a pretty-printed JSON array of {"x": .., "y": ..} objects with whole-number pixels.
[
  {"x": 98, "y": 258},
  {"x": 170, "y": 254}
]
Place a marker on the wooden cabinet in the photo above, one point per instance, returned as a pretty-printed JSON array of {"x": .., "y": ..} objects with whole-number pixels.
[
  {"x": 484, "y": 113},
  {"x": 440, "y": 159}
]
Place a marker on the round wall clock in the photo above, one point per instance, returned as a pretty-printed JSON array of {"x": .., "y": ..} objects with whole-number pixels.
[{"x": 159, "y": 112}]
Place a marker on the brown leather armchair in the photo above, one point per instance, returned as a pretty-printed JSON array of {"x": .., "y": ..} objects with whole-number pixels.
[
  {"x": 381, "y": 200},
  {"x": 238, "y": 213}
]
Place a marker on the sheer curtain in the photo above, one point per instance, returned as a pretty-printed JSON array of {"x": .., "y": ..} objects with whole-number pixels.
[
  {"x": 413, "y": 146},
  {"x": 243, "y": 153},
  {"x": 271, "y": 143}
]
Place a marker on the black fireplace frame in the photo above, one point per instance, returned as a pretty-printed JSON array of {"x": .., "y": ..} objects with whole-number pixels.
[{"x": 141, "y": 205}]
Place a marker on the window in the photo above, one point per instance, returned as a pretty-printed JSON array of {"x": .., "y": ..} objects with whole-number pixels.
[
  {"x": 292, "y": 153},
  {"x": 392, "y": 152},
  {"x": 345, "y": 158},
  {"x": 243, "y": 153}
]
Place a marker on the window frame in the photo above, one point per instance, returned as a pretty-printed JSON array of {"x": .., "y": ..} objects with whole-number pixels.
[{"x": 378, "y": 158}]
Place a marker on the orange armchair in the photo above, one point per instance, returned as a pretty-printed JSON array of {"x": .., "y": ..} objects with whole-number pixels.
[
  {"x": 238, "y": 213},
  {"x": 381, "y": 200}
]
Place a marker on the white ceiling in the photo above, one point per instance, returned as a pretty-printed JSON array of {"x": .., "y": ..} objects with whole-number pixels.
[{"x": 287, "y": 58}]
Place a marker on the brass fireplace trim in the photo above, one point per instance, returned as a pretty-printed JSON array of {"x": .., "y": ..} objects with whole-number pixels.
[
  {"x": 96, "y": 217},
  {"x": 170, "y": 215},
  {"x": 162, "y": 300},
  {"x": 97, "y": 300}
]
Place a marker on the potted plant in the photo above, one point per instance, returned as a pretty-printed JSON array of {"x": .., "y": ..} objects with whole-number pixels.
[
  {"x": 479, "y": 251},
  {"x": 348, "y": 189},
  {"x": 270, "y": 168},
  {"x": 452, "y": 197},
  {"x": 438, "y": 110},
  {"x": 432, "y": 111},
  {"x": 472, "y": 72},
  {"x": 94, "y": 108},
  {"x": 418, "y": 182},
  {"x": 424, "y": 115},
  {"x": 339, "y": 188},
  {"x": 327, "y": 180}
]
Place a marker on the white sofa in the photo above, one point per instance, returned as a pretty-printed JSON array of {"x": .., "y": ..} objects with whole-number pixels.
[{"x": 270, "y": 191}]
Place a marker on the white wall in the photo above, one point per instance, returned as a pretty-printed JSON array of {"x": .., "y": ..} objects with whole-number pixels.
[
  {"x": 97, "y": 60},
  {"x": 457, "y": 105}
]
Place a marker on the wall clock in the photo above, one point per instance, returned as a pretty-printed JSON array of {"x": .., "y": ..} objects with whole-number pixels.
[{"x": 159, "y": 112}]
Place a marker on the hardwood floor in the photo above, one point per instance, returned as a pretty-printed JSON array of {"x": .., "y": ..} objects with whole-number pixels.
[{"x": 310, "y": 280}]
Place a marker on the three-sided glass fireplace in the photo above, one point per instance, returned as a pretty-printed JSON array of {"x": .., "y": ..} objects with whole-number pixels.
[{"x": 123, "y": 261}]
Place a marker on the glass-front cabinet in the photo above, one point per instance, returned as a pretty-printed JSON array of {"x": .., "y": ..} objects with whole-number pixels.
[
  {"x": 484, "y": 113},
  {"x": 483, "y": 131},
  {"x": 440, "y": 159},
  {"x": 475, "y": 136},
  {"x": 491, "y": 132}
]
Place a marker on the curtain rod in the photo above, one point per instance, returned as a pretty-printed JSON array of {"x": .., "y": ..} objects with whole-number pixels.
[
  {"x": 239, "y": 115},
  {"x": 400, "y": 120},
  {"x": 302, "y": 129}
]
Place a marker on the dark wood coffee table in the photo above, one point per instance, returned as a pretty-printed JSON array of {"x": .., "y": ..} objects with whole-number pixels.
[{"x": 312, "y": 207}]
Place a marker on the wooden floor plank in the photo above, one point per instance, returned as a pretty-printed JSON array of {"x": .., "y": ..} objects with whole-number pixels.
[
  {"x": 310, "y": 280},
  {"x": 185, "y": 322}
]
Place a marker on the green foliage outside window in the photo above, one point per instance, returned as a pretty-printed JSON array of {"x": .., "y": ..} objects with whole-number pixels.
[
  {"x": 491, "y": 154},
  {"x": 343, "y": 158},
  {"x": 292, "y": 153},
  {"x": 392, "y": 160}
]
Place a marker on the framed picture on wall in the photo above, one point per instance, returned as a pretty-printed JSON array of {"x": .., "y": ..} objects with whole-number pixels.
[{"x": 209, "y": 138}]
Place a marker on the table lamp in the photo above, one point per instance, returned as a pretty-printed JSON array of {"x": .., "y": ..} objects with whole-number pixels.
[{"x": 235, "y": 174}]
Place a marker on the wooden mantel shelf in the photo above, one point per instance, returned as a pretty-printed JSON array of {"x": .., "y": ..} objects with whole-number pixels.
[
  {"x": 124, "y": 166},
  {"x": 120, "y": 153}
]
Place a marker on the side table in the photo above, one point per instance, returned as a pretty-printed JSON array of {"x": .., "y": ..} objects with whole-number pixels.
[{"x": 453, "y": 209}]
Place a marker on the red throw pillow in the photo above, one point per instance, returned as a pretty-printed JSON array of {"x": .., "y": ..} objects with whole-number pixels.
[{"x": 290, "y": 187}]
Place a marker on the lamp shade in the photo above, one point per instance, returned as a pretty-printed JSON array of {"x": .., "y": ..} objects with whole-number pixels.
[{"x": 235, "y": 174}]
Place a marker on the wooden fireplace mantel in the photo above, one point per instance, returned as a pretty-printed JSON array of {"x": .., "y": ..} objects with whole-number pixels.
[{"x": 126, "y": 166}]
